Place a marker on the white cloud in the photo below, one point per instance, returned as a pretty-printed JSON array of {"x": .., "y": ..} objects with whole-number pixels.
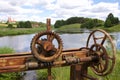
[
  {"x": 72, "y": 4},
  {"x": 39, "y": 10},
  {"x": 85, "y": 8}
]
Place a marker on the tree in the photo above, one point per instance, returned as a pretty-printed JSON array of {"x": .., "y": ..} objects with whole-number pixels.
[
  {"x": 116, "y": 20},
  {"x": 20, "y": 24},
  {"x": 10, "y": 26},
  {"x": 27, "y": 24},
  {"x": 73, "y": 20},
  {"x": 108, "y": 23},
  {"x": 91, "y": 23},
  {"x": 59, "y": 23},
  {"x": 111, "y": 21}
]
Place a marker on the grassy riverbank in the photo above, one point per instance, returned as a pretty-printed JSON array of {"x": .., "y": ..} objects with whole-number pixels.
[
  {"x": 72, "y": 28},
  {"x": 75, "y": 28},
  {"x": 13, "y": 75},
  {"x": 19, "y": 31}
]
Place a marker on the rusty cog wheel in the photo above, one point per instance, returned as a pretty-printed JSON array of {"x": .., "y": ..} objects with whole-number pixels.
[
  {"x": 101, "y": 43},
  {"x": 101, "y": 64},
  {"x": 46, "y": 46}
]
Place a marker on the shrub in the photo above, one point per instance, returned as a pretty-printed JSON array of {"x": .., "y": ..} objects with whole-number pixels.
[{"x": 10, "y": 26}]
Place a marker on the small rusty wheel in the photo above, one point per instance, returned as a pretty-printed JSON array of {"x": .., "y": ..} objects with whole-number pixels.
[
  {"x": 46, "y": 46},
  {"x": 105, "y": 47},
  {"x": 99, "y": 66}
]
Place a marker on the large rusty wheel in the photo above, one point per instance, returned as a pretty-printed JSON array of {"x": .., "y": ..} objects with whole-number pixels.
[
  {"x": 46, "y": 46},
  {"x": 101, "y": 44}
]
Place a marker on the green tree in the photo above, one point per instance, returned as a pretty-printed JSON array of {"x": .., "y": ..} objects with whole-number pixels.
[
  {"x": 72, "y": 20},
  {"x": 111, "y": 21},
  {"x": 10, "y": 26},
  {"x": 20, "y": 24},
  {"x": 59, "y": 23},
  {"x": 116, "y": 20},
  {"x": 91, "y": 23},
  {"x": 27, "y": 24},
  {"x": 108, "y": 23}
]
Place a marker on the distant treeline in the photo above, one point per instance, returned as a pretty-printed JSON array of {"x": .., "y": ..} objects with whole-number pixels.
[
  {"x": 89, "y": 22},
  {"x": 26, "y": 24}
]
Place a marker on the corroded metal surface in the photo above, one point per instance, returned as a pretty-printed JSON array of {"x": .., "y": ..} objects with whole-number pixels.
[
  {"x": 43, "y": 48},
  {"x": 14, "y": 62},
  {"x": 105, "y": 52},
  {"x": 46, "y": 55}
]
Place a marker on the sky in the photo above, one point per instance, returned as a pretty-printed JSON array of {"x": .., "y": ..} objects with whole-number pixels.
[{"x": 40, "y": 10}]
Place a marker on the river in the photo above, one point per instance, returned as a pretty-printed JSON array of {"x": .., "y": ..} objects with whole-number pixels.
[{"x": 21, "y": 43}]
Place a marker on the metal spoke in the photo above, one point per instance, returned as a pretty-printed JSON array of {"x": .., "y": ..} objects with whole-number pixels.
[
  {"x": 51, "y": 38},
  {"x": 104, "y": 38},
  {"x": 110, "y": 57},
  {"x": 38, "y": 42},
  {"x": 94, "y": 38}
]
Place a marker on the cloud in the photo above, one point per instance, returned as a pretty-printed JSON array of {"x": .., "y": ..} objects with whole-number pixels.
[
  {"x": 39, "y": 10},
  {"x": 6, "y": 7},
  {"x": 72, "y": 4},
  {"x": 88, "y": 9}
]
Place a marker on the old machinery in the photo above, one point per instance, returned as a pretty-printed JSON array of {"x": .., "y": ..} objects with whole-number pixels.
[
  {"x": 43, "y": 48},
  {"x": 103, "y": 46},
  {"x": 47, "y": 52}
]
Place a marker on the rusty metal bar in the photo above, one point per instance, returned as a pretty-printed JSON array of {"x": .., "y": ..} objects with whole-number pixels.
[
  {"x": 16, "y": 54},
  {"x": 58, "y": 63},
  {"x": 49, "y": 73},
  {"x": 48, "y": 24},
  {"x": 22, "y": 66}
]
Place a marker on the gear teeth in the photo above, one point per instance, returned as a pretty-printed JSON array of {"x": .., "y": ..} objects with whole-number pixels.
[{"x": 37, "y": 36}]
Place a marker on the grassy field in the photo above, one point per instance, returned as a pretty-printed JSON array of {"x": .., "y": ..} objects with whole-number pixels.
[
  {"x": 4, "y": 31},
  {"x": 115, "y": 28},
  {"x": 75, "y": 28},
  {"x": 63, "y": 73},
  {"x": 19, "y": 31},
  {"x": 72, "y": 28}
]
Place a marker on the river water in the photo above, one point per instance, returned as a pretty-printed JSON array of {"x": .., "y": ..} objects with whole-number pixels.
[{"x": 21, "y": 43}]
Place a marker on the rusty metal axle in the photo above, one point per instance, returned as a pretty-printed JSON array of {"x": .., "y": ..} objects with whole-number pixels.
[{"x": 22, "y": 62}]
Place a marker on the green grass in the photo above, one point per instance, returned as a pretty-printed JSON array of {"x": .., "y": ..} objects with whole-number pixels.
[
  {"x": 72, "y": 28},
  {"x": 75, "y": 28},
  {"x": 114, "y": 28},
  {"x": 3, "y": 25},
  {"x": 19, "y": 31},
  {"x": 59, "y": 73},
  {"x": 5, "y": 50},
  {"x": 4, "y": 31}
]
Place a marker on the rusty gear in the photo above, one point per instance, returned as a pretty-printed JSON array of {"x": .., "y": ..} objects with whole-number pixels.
[
  {"x": 43, "y": 47},
  {"x": 101, "y": 64},
  {"x": 101, "y": 40}
]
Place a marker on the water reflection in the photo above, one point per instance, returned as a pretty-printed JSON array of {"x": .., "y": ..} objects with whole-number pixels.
[
  {"x": 116, "y": 40},
  {"x": 21, "y": 43}
]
